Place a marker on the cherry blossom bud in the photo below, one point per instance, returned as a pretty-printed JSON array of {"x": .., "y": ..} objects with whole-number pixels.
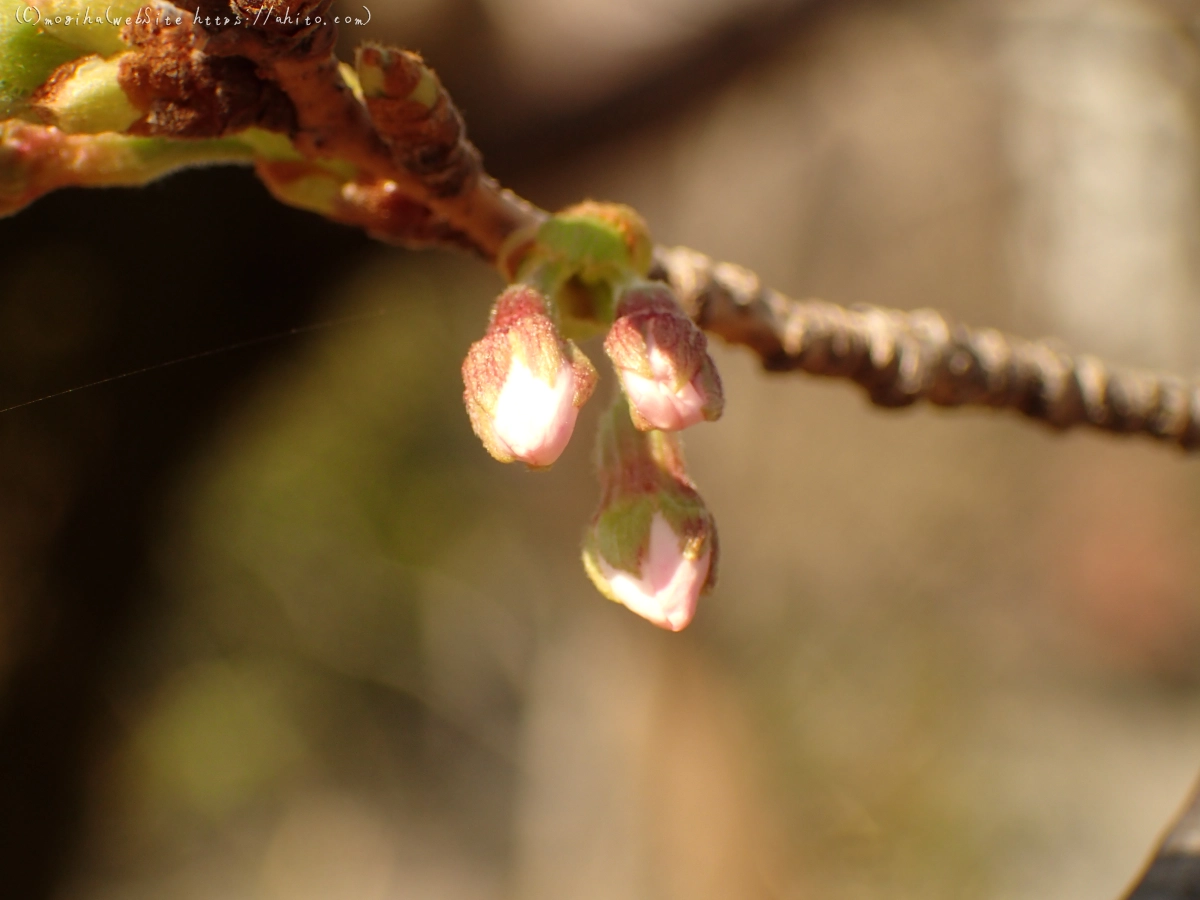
[
  {"x": 662, "y": 360},
  {"x": 652, "y": 545},
  {"x": 524, "y": 383}
]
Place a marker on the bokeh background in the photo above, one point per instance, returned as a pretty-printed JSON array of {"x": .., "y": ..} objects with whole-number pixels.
[{"x": 273, "y": 626}]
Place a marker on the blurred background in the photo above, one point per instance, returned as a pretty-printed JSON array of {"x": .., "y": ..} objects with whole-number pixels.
[{"x": 273, "y": 625}]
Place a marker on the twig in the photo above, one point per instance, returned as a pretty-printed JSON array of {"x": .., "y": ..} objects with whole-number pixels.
[
  {"x": 271, "y": 68},
  {"x": 901, "y": 358},
  {"x": 333, "y": 124},
  {"x": 382, "y": 147}
]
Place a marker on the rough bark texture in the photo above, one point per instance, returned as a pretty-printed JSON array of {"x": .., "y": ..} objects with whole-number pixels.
[
  {"x": 186, "y": 93},
  {"x": 901, "y": 358},
  {"x": 333, "y": 124}
]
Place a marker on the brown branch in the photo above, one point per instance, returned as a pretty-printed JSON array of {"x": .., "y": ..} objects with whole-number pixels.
[
  {"x": 901, "y": 358},
  {"x": 268, "y": 65},
  {"x": 1174, "y": 871},
  {"x": 390, "y": 155},
  {"x": 333, "y": 124}
]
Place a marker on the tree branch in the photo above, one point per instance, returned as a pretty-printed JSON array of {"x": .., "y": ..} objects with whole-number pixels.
[
  {"x": 901, "y": 358},
  {"x": 381, "y": 146}
]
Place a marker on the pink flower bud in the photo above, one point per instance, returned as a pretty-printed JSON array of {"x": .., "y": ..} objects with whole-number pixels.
[
  {"x": 662, "y": 360},
  {"x": 670, "y": 576},
  {"x": 652, "y": 544},
  {"x": 524, "y": 383}
]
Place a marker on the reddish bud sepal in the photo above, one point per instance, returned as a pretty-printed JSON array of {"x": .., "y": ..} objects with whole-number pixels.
[
  {"x": 524, "y": 382},
  {"x": 652, "y": 545},
  {"x": 662, "y": 360}
]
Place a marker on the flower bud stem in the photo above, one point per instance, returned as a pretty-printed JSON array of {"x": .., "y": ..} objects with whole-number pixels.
[{"x": 652, "y": 544}]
